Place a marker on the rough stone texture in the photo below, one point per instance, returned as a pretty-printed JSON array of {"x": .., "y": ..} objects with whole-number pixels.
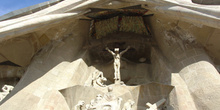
[
  {"x": 180, "y": 97},
  {"x": 17, "y": 55},
  {"x": 49, "y": 43},
  {"x": 44, "y": 61},
  {"x": 192, "y": 63},
  {"x": 56, "y": 79},
  {"x": 203, "y": 82},
  {"x": 160, "y": 68},
  {"x": 21, "y": 50}
]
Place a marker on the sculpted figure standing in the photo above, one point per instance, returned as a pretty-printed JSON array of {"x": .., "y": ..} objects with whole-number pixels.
[
  {"x": 109, "y": 96},
  {"x": 117, "y": 58}
]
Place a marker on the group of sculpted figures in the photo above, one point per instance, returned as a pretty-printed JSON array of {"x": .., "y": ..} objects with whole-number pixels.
[
  {"x": 106, "y": 102},
  {"x": 110, "y": 102},
  {"x": 6, "y": 89}
]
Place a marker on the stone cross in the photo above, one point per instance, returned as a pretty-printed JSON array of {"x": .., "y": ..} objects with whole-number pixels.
[{"x": 156, "y": 105}]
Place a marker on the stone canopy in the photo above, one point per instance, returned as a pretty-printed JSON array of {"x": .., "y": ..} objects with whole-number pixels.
[{"x": 49, "y": 55}]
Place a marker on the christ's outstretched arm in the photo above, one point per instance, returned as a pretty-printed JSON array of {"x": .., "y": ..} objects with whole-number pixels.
[
  {"x": 110, "y": 51},
  {"x": 125, "y": 50}
]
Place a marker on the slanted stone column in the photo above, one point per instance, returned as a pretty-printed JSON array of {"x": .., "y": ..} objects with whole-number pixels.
[
  {"x": 181, "y": 46},
  {"x": 199, "y": 74}
]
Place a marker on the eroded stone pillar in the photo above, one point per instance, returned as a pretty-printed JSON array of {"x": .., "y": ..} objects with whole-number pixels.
[{"x": 199, "y": 74}]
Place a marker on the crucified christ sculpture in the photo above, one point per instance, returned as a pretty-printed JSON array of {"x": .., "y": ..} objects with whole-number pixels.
[{"x": 117, "y": 63}]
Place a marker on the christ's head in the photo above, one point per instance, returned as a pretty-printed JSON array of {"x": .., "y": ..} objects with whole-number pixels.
[{"x": 116, "y": 50}]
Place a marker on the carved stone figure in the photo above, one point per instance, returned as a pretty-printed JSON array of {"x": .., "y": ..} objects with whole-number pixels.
[
  {"x": 117, "y": 64},
  {"x": 156, "y": 105},
  {"x": 111, "y": 104},
  {"x": 98, "y": 79},
  {"x": 128, "y": 105},
  {"x": 6, "y": 90},
  {"x": 92, "y": 103},
  {"x": 98, "y": 98},
  {"x": 88, "y": 107},
  {"x": 79, "y": 105},
  {"x": 109, "y": 96},
  {"x": 95, "y": 102},
  {"x": 107, "y": 102},
  {"x": 119, "y": 100}
]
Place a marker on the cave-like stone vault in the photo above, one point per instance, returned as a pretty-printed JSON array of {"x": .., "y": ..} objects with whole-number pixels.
[{"x": 53, "y": 55}]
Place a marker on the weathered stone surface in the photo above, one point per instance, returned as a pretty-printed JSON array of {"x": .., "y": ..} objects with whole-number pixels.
[
  {"x": 180, "y": 97},
  {"x": 54, "y": 46}
]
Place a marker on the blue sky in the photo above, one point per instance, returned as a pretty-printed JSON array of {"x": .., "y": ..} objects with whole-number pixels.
[{"x": 7, "y": 6}]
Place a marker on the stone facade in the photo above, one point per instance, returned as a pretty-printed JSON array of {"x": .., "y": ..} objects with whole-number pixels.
[{"x": 51, "y": 57}]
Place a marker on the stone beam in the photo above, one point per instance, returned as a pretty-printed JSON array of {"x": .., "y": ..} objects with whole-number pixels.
[{"x": 31, "y": 25}]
